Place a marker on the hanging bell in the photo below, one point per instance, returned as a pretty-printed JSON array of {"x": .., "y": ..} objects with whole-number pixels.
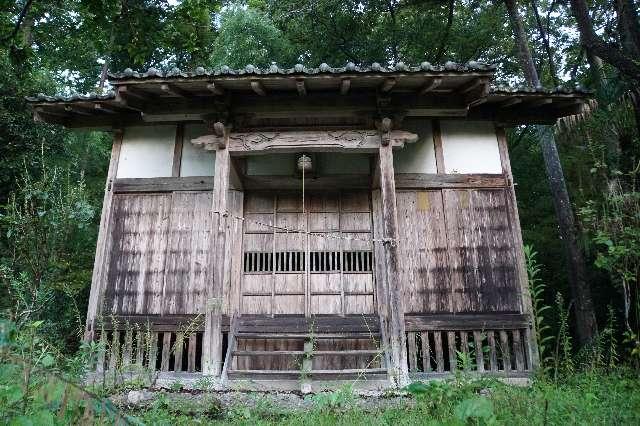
[{"x": 305, "y": 164}]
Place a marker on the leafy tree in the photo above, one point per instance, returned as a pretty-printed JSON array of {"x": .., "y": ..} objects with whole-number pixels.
[{"x": 248, "y": 36}]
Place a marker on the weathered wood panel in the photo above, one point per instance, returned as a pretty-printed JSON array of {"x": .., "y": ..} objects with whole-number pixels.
[
  {"x": 188, "y": 247},
  {"x": 482, "y": 252},
  {"x": 135, "y": 277},
  {"x": 159, "y": 249},
  {"x": 424, "y": 257}
]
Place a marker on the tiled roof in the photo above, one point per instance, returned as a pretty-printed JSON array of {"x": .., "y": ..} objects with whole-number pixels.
[{"x": 302, "y": 70}]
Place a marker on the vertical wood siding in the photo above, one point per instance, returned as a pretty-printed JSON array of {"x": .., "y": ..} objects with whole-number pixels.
[
  {"x": 159, "y": 246},
  {"x": 458, "y": 253}
]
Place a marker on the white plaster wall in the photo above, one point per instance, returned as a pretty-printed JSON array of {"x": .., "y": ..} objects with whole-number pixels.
[
  {"x": 147, "y": 151},
  {"x": 196, "y": 161},
  {"x": 470, "y": 147},
  {"x": 271, "y": 164},
  {"x": 420, "y": 156},
  {"x": 335, "y": 163}
]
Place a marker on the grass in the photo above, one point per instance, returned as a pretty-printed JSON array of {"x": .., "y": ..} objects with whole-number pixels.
[{"x": 585, "y": 398}]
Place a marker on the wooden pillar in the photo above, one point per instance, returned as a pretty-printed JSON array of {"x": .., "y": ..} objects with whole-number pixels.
[
  {"x": 212, "y": 340},
  {"x": 102, "y": 251},
  {"x": 514, "y": 218},
  {"x": 390, "y": 303}
]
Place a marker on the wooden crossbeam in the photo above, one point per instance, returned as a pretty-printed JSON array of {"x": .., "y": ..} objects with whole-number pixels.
[
  {"x": 258, "y": 88},
  {"x": 388, "y": 84},
  {"x": 215, "y": 89},
  {"x": 429, "y": 85},
  {"x": 172, "y": 89}
]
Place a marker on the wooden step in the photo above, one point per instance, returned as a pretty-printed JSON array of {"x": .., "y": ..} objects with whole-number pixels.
[
  {"x": 243, "y": 335},
  {"x": 349, "y": 352},
  {"x": 316, "y": 374}
]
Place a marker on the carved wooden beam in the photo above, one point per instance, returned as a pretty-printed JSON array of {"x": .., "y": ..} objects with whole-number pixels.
[
  {"x": 296, "y": 141},
  {"x": 429, "y": 85},
  {"x": 385, "y": 131},
  {"x": 257, "y": 87},
  {"x": 302, "y": 90},
  {"x": 215, "y": 141},
  {"x": 215, "y": 89},
  {"x": 172, "y": 89},
  {"x": 345, "y": 84}
]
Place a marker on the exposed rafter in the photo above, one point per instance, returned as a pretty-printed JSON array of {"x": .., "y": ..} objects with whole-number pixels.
[
  {"x": 429, "y": 85},
  {"x": 473, "y": 84},
  {"x": 345, "y": 85},
  {"x": 302, "y": 90},
  {"x": 78, "y": 110},
  {"x": 173, "y": 90},
  {"x": 510, "y": 102},
  {"x": 129, "y": 98},
  {"x": 215, "y": 89},
  {"x": 536, "y": 103},
  {"x": 388, "y": 84},
  {"x": 105, "y": 108},
  {"x": 258, "y": 88}
]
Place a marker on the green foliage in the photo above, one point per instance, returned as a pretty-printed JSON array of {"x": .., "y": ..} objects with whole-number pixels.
[
  {"x": 563, "y": 358},
  {"x": 47, "y": 222},
  {"x": 247, "y": 36},
  {"x": 536, "y": 291},
  {"x": 340, "y": 399}
]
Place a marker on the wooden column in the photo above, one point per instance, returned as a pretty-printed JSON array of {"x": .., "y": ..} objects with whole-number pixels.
[
  {"x": 212, "y": 341},
  {"x": 514, "y": 218},
  {"x": 102, "y": 252},
  {"x": 390, "y": 302}
]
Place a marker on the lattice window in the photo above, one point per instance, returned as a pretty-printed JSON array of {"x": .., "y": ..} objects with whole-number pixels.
[
  {"x": 258, "y": 262},
  {"x": 319, "y": 261},
  {"x": 357, "y": 261},
  {"x": 290, "y": 261}
]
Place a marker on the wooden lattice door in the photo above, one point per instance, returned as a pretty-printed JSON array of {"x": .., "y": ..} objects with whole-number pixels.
[{"x": 327, "y": 271}]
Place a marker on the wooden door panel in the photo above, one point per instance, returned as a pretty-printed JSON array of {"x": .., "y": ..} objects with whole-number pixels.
[{"x": 306, "y": 269}]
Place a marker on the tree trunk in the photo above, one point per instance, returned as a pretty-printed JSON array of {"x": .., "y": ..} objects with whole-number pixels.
[
  {"x": 524, "y": 54},
  {"x": 578, "y": 285}
]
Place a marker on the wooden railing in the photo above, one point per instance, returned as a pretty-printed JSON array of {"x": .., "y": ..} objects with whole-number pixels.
[
  {"x": 167, "y": 344},
  {"x": 494, "y": 344}
]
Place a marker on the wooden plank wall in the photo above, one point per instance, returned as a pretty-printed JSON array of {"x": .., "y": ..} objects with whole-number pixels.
[
  {"x": 458, "y": 251},
  {"x": 159, "y": 246}
]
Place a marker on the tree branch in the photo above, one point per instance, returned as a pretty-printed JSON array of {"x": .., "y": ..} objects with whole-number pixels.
[
  {"x": 445, "y": 36},
  {"x": 608, "y": 52},
  {"x": 16, "y": 28}
]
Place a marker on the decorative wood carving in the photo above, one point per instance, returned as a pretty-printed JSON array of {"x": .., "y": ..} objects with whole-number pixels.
[{"x": 295, "y": 141}]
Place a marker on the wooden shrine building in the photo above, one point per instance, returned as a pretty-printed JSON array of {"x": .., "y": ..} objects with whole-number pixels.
[{"x": 311, "y": 225}]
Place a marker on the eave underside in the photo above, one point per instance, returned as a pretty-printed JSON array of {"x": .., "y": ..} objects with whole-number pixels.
[{"x": 344, "y": 100}]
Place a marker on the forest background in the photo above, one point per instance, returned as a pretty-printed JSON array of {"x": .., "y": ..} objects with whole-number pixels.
[{"x": 52, "y": 179}]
